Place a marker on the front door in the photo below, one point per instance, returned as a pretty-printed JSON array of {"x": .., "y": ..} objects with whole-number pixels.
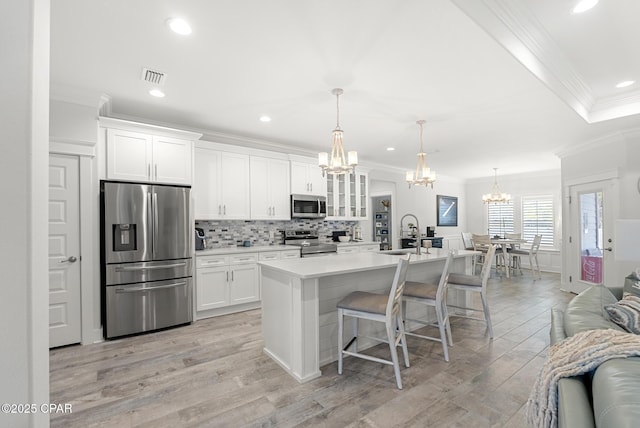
[
  {"x": 592, "y": 216},
  {"x": 64, "y": 251}
]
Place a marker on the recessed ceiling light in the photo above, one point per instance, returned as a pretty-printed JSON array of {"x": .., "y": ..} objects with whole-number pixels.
[
  {"x": 157, "y": 93},
  {"x": 584, "y": 5},
  {"x": 625, "y": 83},
  {"x": 179, "y": 26},
  {"x": 265, "y": 119},
  {"x": 390, "y": 149}
]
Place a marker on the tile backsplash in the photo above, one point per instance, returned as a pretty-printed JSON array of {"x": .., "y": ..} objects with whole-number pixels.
[{"x": 231, "y": 233}]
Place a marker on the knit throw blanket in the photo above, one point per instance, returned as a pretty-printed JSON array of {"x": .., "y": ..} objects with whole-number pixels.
[{"x": 573, "y": 356}]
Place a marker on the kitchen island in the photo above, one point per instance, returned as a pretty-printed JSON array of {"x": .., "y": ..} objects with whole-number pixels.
[{"x": 299, "y": 297}]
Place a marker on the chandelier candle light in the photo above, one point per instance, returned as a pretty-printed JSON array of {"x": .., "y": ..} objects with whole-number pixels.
[
  {"x": 423, "y": 175},
  {"x": 338, "y": 163},
  {"x": 496, "y": 196}
]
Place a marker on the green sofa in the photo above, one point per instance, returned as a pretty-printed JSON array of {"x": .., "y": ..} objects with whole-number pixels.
[{"x": 610, "y": 395}]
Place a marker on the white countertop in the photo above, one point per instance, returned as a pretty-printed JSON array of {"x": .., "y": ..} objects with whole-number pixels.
[
  {"x": 315, "y": 267},
  {"x": 241, "y": 250}
]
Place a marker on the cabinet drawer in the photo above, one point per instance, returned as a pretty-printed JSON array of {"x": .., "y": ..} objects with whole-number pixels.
[
  {"x": 211, "y": 261},
  {"x": 290, "y": 254},
  {"x": 237, "y": 259},
  {"x": 348, "y": 250},
  {"x": 271, "y": 255},
  {"x": 369, "y": 248}
]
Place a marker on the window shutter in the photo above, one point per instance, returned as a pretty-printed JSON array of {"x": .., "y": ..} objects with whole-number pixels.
[
  {"x": 500, "y": 218},
  {"x": 538, "y": 219}
]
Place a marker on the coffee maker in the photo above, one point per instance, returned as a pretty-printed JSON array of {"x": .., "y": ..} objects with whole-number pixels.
[
  {"x": 357, "y": 233},
  {"x": 200, "y": 240},
  {"x": 431, "y": 231}
]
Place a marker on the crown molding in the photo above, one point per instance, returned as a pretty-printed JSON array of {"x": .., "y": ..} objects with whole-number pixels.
[{"x": 515, "y": 27}]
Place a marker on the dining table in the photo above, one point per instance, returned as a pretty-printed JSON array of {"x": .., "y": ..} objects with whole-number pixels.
[{"x": 505, "y": 243}]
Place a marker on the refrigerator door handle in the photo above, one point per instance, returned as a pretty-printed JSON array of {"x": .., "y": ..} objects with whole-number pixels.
[
  {"x": 136, "y": 268},
  {"x": 158, "y": 287},
  {"x": 149, "y": 226},
  {"x": 155, "y": 222}
]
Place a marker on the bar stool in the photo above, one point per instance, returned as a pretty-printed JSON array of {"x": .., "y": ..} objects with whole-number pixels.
[
  {"x": 475, "y": 284},
  {"x": 377, "y": 307},
  {"x": 434, "y": 295}
]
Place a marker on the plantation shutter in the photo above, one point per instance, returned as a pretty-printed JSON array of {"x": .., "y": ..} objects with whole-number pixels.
[
  {"x": 538, "y": 219},
  {"x": 500, "y": 218}
]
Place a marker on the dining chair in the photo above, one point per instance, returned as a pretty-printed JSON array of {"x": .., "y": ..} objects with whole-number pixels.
[
  {"x": 474, "y": 284},
  {"x": 513, "y": 258},
  {"x": 435, "y": 296},
  {"x": 467, "y": 240},
  {"x": 480, "y": 243},
  {"x": 532, "y": 252},
  {"x": 377, "y": 307}
]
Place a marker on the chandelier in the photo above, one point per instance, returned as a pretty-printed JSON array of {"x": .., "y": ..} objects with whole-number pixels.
[
  {"x": 423, "y": 175},
  {"x": 496, "y": 196},
  {"x": 337, "y": 163}
]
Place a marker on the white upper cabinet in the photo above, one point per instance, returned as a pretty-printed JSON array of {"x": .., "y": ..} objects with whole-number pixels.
[
  {"x": 307, "y": 179},
  {"x": 172, "y": 160},
  {"x": 147, "y": 153},
  {"x": 129, "y": 155},
  {"x": 270, "y": 190},
  {"x": 347, "y": 196},
  {"x": 221, "y": 185}
]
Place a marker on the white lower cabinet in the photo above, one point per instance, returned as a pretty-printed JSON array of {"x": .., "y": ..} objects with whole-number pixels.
[
  {"x": 369, "y": 248},
  {"x": 212, "y": 290},
  {"x": 358, "y": 248},
  {"x": 348, "y": 250},
  {"x": 223, "y": 281},
  {"x": 244, "y": 286},
  {"x": 229, "y": 283}
]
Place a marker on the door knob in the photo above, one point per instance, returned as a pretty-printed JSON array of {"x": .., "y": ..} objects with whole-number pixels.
[
  {"x": 71, "y": 259},
  {"x": 608, "y": 249}
]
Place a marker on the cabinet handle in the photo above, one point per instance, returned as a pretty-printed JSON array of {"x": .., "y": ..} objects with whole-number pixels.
[
  {"x": 224, "y": 209},
  {"x": 274, "y": 211},
  {"x": 219, "y": 209},
  {"x": 149, "y": 171},
  {"x": 311, "y": 186},
  {"x": 232, "y": 276},
  {"x": 156, "y": 171}
]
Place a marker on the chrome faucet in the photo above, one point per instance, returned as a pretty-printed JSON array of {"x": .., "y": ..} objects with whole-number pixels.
[{"x": 418, "y": 238}]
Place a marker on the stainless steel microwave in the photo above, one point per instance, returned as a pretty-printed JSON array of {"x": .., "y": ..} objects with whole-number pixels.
[{"x": 308, "y": 206}]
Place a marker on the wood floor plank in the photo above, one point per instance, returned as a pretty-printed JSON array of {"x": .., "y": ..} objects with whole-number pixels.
[{"x": 214, "y": 373}]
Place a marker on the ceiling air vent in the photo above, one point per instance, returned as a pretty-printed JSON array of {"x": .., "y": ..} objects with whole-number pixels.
[{"x": 153, "y": 76}]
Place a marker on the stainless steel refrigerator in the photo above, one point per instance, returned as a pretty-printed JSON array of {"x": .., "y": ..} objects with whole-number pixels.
[{"x": 146, "y": 271}]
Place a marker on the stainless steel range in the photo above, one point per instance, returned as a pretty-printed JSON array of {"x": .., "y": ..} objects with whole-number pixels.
[{"x": 309, "y": 244}]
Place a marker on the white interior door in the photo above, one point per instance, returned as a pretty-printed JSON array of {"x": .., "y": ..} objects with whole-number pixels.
[
  {"x": 593, "y": 212},
  {"x": 64, "y": 251}
]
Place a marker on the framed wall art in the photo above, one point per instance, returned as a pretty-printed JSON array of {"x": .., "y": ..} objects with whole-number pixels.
[{"x": 447, "y": 207}]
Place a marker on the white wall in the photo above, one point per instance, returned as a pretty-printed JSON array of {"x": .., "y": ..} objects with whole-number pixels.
[
  {"x": 617, "y": 155},
  {"x": 519, "y": 185},
  {"x": 75, "y": 123},
  {"x": 24, "y": 108},
  {"x": 421, "y": 202}
]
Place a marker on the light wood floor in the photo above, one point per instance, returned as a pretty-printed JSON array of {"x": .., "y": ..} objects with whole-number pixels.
[{"x": 214, "y": 373}]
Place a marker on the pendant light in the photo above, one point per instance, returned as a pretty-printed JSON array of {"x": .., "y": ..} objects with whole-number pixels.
[
  {"x": 423, "y": 175},
  {"x": 337, "y": 163},
  {"x": 496, "y": 196}
]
